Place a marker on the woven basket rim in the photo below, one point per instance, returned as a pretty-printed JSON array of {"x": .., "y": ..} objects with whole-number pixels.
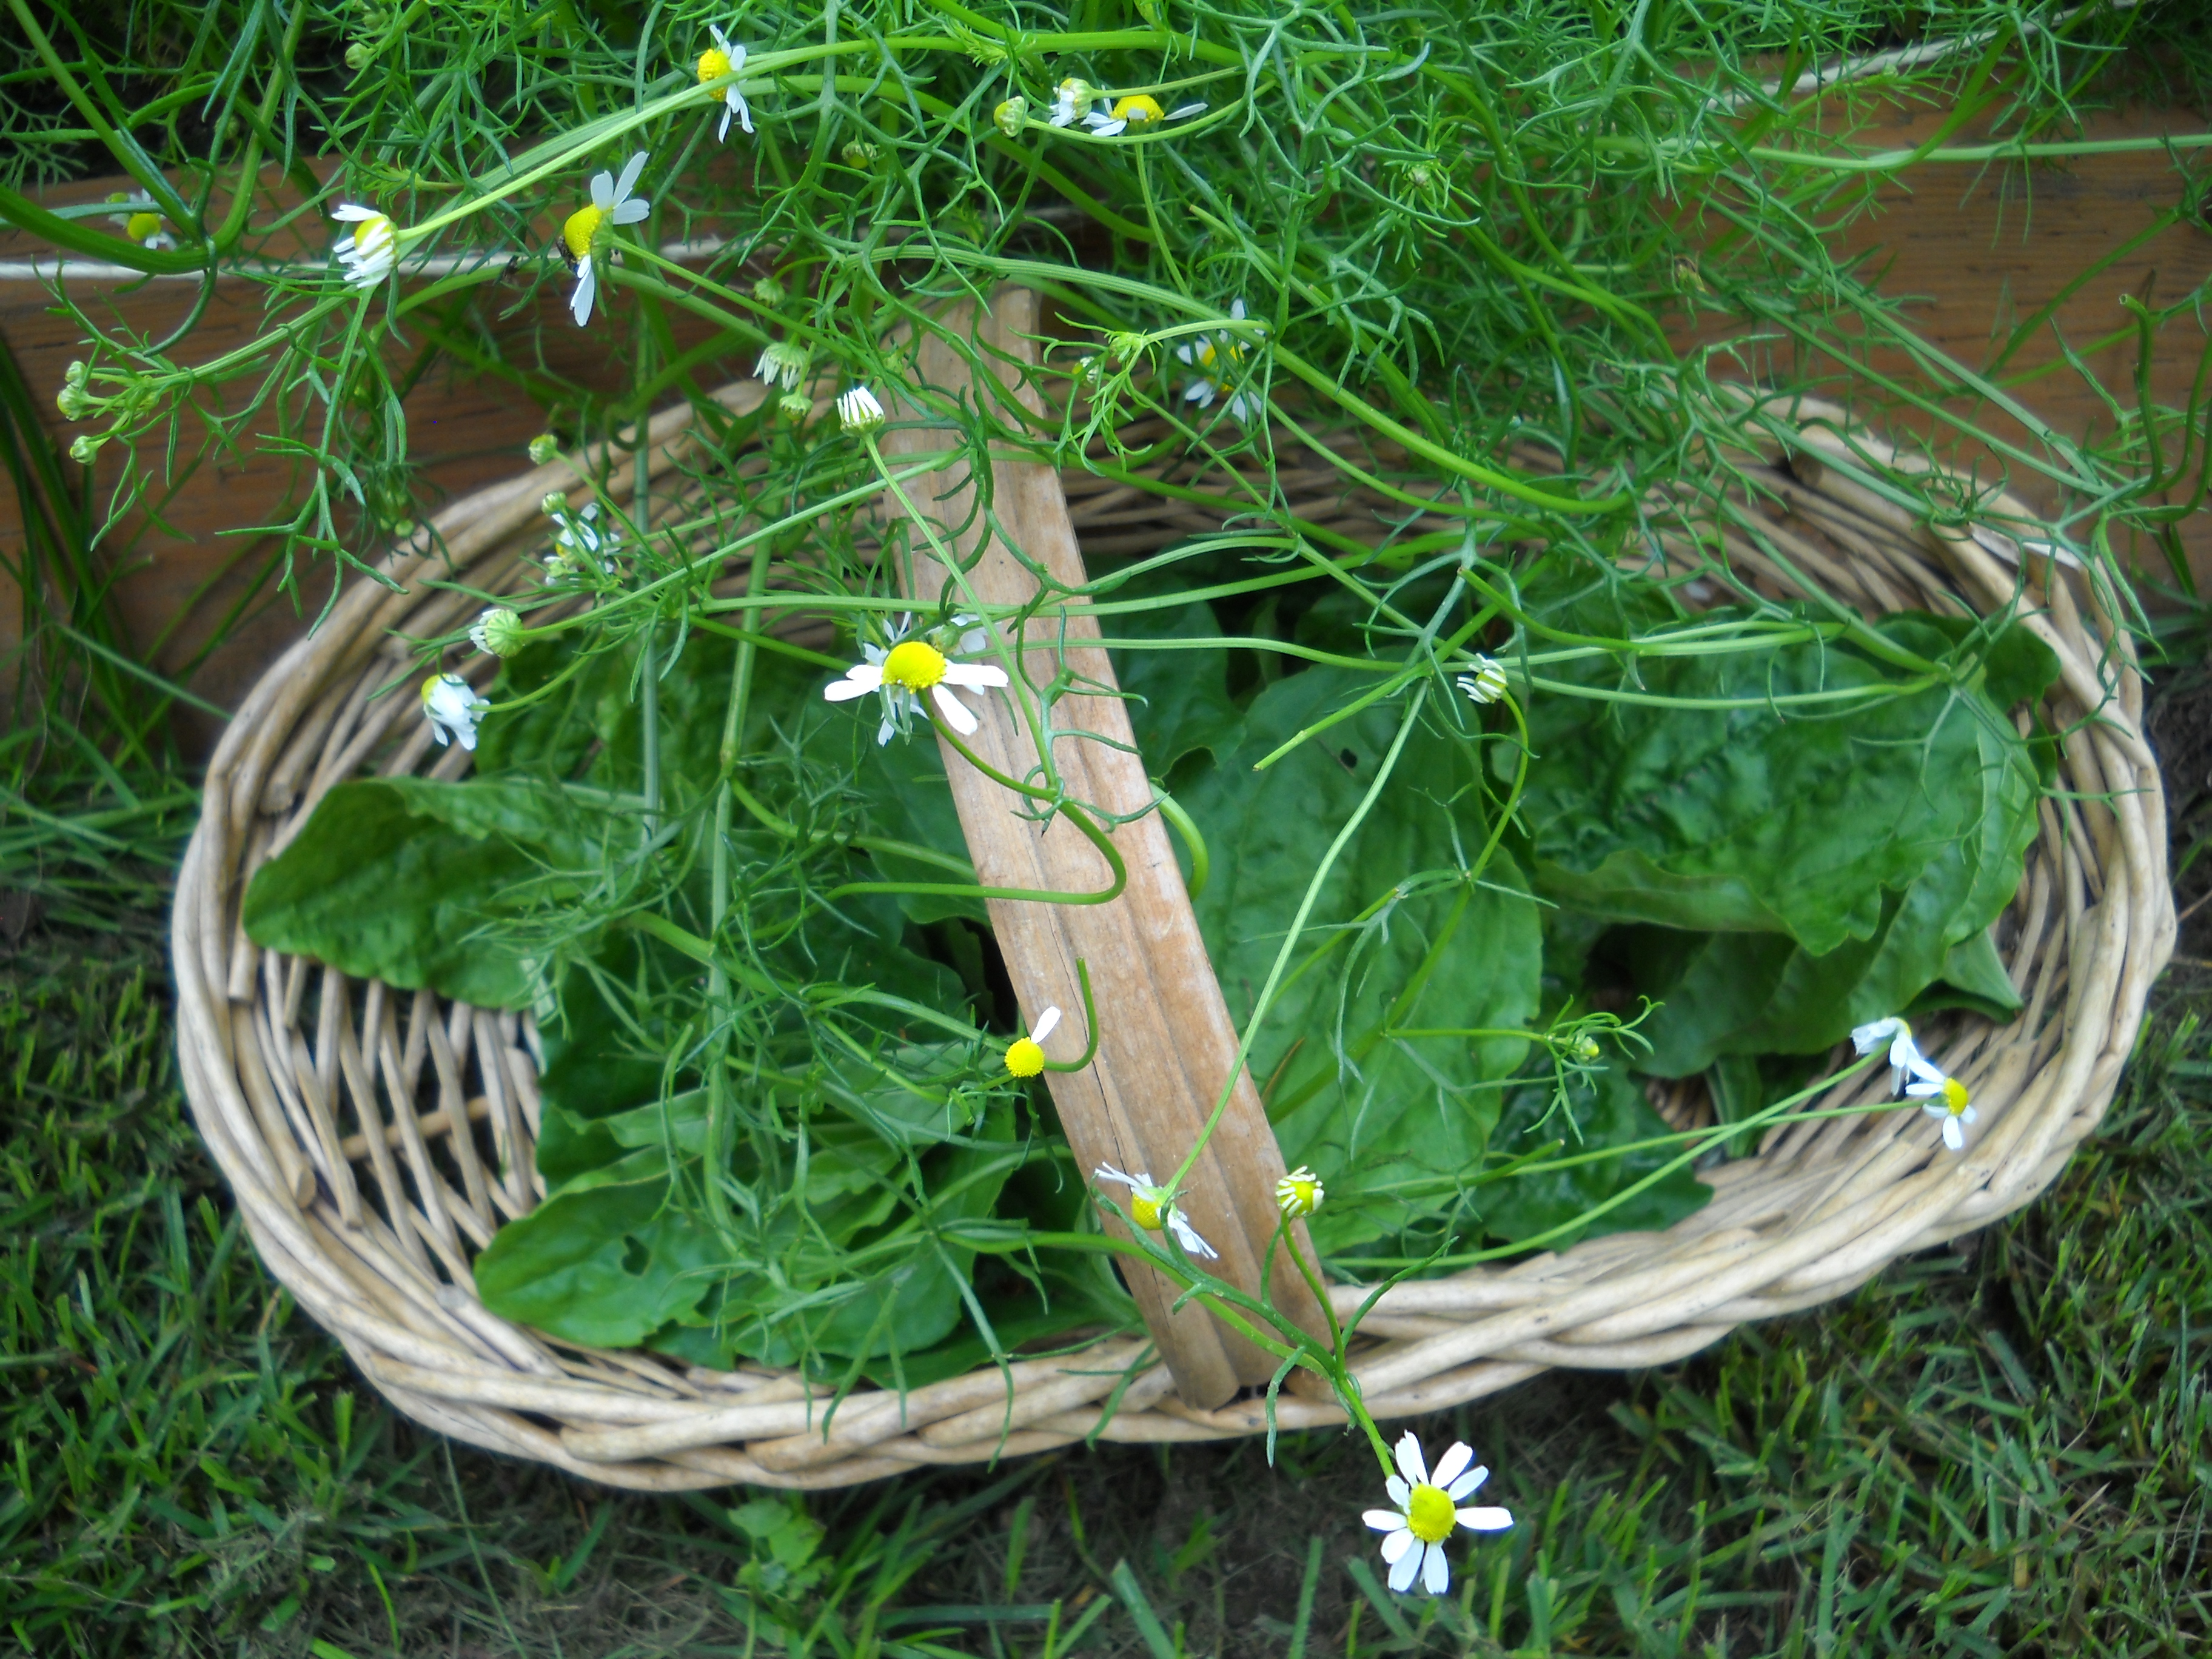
[{"x": 381, "y": 1262}]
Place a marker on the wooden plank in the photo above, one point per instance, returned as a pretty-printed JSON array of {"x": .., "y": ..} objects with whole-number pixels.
[{"x": 1166, "y": 1041}]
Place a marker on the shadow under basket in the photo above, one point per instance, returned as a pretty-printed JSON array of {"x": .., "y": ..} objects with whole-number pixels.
[{"x": 376, "y": 1138}]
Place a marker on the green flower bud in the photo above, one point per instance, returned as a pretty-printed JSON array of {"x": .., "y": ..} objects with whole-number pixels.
[
  {"x": 1011, "y": 115},
  {"x": 543, "y": 447}
]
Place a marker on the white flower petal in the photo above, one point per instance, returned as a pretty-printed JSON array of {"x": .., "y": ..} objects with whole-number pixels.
[
  {"x": 1047, "y": 1023},
  {"x": 1466, "y": 1483},
  {"x": 627, "y": 182},
  {"x": 1436, "y": 1572},
  {"x": 587, "y": 286},
  {"x": 628, "y": 213},
  {"x": 1403, "y": 1569},
  {"x": 1398, "y": 1541},
  {"x": 1200, "y": 393},
  {"x": 859, "y": 681},
  {"x": 1188, "y": 1235},
  {"x": 1923, "y": 1090},
  {"x": 1456, "y": 1457},
  {"x": 955, "y": 711},
  {"x": 1486, "y": 1520},
  {"x": 1236, "y": 310},
  {"x": 884, "y": 732},
  {"x": 1401, "y": 1493},
  {"x": 976, "y": 675},
  {"x": 1954, "y": 1136},
  {"x": 1108, "y": 1172},
  {"x": 603, "y": 190},
  {"x": 1411, "y": 1463}
]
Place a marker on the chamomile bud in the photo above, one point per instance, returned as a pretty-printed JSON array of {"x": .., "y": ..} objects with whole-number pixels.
[
  {"x": 858, "y": 155},
  {"x": 796, "y": 405},
  {"x": 1299, "y": 1192},
  {"x": 1486, "y": 684},
  {"x": 769, "y": 291},
  {"x": 542, "y": 449},
  {"x": 359, "y": 56},
  {"x": 1012, "y": 116},
  {"x": 554, "y": 505},
  {"x": 859, "y": 410},
  {"x": 85, "y": 447},
  {"x": 498, "y": 633}
]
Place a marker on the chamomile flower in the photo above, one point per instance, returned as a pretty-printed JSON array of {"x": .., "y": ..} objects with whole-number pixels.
[
  {"x": 902, "y": 672},
  {"x": 141, "y": 221},
  {"x": 587, "y": 240},
  {"x": 1299, "y": 1192},
  {"x": 452, "y": 707},
  {"x": 1486, "y": 684},
  {"x": 782, "y": 363},
  {"x": 860, "y": 410},
  {"x": 581, "y": 542},
  {"x": 1428, "y": 1512},
  {"x": 1025, "y": 1056},
  {"x": 1154, "y": 1207},
  {"x": 719, "y": 60},
  {"x": 1138, "y": 111},
  {"x": 1071, "y": 101},
  {"x": 368, "y": 249},
  {"x": 1944, "y": 1097},
  {"x": 1217, "y": 357},
  {"x": 498, "y": 633},
  {"x": 1904, "y": 1056}
]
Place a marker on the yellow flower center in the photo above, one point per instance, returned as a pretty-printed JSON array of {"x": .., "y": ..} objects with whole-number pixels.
[
  {"x": 430, "y": 689},
  {"x": 1955, "y": 1096},
  {"x": 583, "y": 224},
  {"x": 1140, "y": 109},
  {"x": 141, "y": 226},
  {"x": 368, "y": 233},
  {"x": 1024, "y": 1058},
  {"x": 1300, "y": 1197},
  {"x": 714, "y": 65},
  {"x": 1430, "y": 1515},
  {"x": 1146, "y": 1212},
  {"x": 915, "y": 665}
]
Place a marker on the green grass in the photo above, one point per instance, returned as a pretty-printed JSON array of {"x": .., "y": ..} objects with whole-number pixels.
[{"x": 2003, "y": 1448}]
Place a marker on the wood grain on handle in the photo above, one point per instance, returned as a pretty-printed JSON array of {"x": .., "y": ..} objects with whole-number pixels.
[{"x": 1166, "y": 1041}]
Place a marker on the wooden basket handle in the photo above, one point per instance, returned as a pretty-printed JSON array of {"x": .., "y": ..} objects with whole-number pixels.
[{"x": 1166, "y": 1041}]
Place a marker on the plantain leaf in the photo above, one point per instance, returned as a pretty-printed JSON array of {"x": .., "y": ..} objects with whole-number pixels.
[{"x": 1400, "y": 939}]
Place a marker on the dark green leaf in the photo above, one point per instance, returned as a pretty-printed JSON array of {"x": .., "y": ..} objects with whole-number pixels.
[
  {"x": 1609, "y": 1110},
  {"x": 400, "y": 879}
]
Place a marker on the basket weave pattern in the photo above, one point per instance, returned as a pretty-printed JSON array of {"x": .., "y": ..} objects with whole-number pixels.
[{"x": 376, "y": 1138}]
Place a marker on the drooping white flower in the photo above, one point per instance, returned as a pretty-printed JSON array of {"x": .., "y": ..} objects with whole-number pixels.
[
  {"x": 719, "y": 60},
  {"x": 585, "y": 239},
  {"x": 498, "y": 633},
  {"x": 452, "y": 707},
  {"x": 1026, "y": 1054},
  {"x": 782, "y": 362},
  {"x": 1486, "y": 684},
  {"x": 141, "y": 221},
  {"x": 1217, "y": 357},
  {"x": 1428, "y": 1512},
  {"x": 1944, "y": 1098},
  {"x": 368, "y": 249},
  {"x": 1904, "y": 1056},
  {"x": 581, "y": 542},
  {"x": 1139, "y": 111},
  {"x": 1299, "y": 1192},
  {"x": 1071, "y": 101},
  {"x": 1154, "y": 1207},
  {"x": 860, "y": 410},
  {"x": 900, "y": 672}
]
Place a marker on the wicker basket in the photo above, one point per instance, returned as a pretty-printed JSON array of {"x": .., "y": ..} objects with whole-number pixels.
[{"x": 376, "y": 1138}]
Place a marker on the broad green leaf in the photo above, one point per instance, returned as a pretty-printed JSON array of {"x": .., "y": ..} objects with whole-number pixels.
[
  {"x": 1607, "y": 1110},
  {"x": 1752, "y": 820},
  {"x": 1394, "y": 1124},
  {"x": 402, "y": 879}
]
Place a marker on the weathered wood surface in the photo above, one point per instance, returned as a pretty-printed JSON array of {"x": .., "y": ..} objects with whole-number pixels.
[{"x": 1166, "y": 1041}]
